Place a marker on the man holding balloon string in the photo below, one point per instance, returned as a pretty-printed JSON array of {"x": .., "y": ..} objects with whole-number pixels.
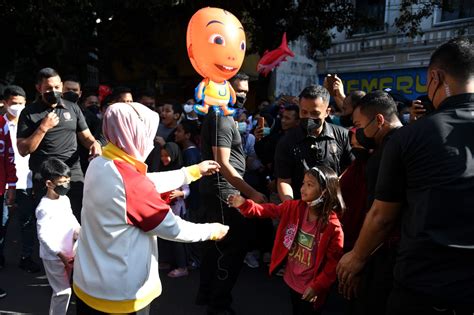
[{"x": 216, "y": 48}]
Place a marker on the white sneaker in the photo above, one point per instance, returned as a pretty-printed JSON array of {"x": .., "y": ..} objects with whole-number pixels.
[{"x": 251, "y": 261}]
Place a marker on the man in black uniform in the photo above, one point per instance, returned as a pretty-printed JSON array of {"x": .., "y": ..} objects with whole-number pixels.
[
  {"x": 50, "y": 127},
  {"x": 376, "y": 119},
  {"x": 430, "y": 164},
  {"x": 223, "y": 260},
  {"x": 316, "y": 142}
]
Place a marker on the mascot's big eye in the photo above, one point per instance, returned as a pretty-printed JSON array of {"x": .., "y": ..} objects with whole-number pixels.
[
  {"x": 217, "y": 39},
  {"x": 242, "y": 45}
]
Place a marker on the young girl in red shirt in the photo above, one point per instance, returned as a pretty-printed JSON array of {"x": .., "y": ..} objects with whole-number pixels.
[{"x": 309, "y": 237}]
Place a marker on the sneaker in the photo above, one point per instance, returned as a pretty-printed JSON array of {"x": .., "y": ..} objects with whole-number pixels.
[
  {"x": 2, "y": 293},
  {"x": 178, "y": 272},
  {"x": 251, "y": 261},
  {"x": 27, "y": 264},
  {"x": 2, "y": 262}
]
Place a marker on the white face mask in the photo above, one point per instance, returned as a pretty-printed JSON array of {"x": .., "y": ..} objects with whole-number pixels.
[
  {"x": 16, "y": 109},
  {"x": 188, "y": 108},
  {"x": 317, "y": 201}
]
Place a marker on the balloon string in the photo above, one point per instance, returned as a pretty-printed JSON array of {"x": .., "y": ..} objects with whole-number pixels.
[{"x": 222, "y": 273}]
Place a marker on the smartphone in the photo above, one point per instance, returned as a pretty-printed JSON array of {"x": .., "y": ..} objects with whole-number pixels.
[
  {"x": 428, "y": 106},
  {"x": 330, "y": 79},
  {"x": 261, "y": 122}
]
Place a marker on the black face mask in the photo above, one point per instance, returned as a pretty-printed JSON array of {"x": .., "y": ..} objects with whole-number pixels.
[
  {"x": 94, "y": 109},
  {"x": 360, "y": 154},
  {"x": 62, "y": 189},
  {"x": 52, "y": 97},
  {"x": 366, "y": 142},
  {"x": 431, "y": 99},
  {"x": 310, "y": 125},
  {"x": 240, "y": 101},
  {"x": 71, "y": 96}
]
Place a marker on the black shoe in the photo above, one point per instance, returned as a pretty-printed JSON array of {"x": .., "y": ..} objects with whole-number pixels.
[
  {"x": 2, "y": 294},
  {"x": 27, "y": 264},
  {"x": 2, "y": 262}
]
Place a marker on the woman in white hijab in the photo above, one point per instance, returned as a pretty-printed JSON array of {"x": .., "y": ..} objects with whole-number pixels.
[{"x": 116, "y": 266}]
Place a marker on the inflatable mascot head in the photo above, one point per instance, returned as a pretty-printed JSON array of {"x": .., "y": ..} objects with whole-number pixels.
[{"x": 216, "y": 44}]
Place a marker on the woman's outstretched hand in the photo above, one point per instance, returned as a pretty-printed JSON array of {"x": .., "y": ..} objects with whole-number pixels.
[
  {"x": 208, "y": 167},
  {"x": 219, "y": 231}
]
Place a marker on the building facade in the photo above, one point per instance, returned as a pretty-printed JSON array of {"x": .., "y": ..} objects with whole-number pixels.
[{"x": 380, "y": 57}]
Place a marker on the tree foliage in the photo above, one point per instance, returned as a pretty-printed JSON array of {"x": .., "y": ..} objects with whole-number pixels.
[
  {"x": 412, "y": 12},
  {"x": 146, "y": 38}
]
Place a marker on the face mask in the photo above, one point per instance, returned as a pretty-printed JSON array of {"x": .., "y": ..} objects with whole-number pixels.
[
  {"x": 366, "y": 142},
  {"x": 62, "y": 189},
  {"x": 94, "y": 109},
  {"x": 318, "y": 201},
  {"x": 16, "y": 109},
  {"x": 71, "y": 96},
  {"x": 52, "y": 97},
  {"x": 360, "y": 154},
  {"x": 188, "y": 108},
  {"x": 405, "y": 118},
  {"x": 446, "y": 90},
  {"x": 266, "y": 131},
  {"x": 240, "y": 100},
  {"x": 310, "y": 125},
  {"x": 242, "y": 127}
]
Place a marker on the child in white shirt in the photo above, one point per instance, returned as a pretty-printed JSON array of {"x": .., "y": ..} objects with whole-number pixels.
[{"x": 58, "y": 230}]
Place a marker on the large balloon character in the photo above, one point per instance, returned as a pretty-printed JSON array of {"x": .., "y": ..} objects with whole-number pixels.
[{"x": 216, "y": 47}]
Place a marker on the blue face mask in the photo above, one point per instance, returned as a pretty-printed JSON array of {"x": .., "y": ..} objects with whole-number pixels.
[
  {"x": 266, "y": 131},
  {"x": 242, "y": 127}
]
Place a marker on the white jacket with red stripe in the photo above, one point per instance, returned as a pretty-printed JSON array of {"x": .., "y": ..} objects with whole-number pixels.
[
  {"x": 116, "y": 265},
  {"x": 7, "y": 158}
]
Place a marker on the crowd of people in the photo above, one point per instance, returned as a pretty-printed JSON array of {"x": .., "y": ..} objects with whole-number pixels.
[{"x": 364, "y": 199}]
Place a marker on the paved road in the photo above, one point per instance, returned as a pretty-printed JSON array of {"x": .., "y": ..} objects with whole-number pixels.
[{"x": 254, "y": 293}]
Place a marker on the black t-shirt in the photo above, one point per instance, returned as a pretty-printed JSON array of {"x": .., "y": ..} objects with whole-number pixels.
[
  {"x": 331, "y": 148},
  {"x": 227, "y": 136},
  {"x": 372, "y": 169},
  {"x": 95, "y": 126},
  {"x": 60, "y": 141},
  {"x": 431, "y": 164}
]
